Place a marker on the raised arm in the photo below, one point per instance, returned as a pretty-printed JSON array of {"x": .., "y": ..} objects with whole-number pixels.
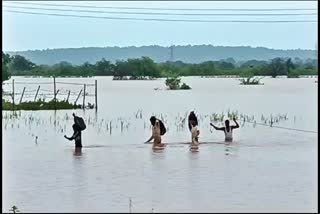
[
  {"x": 236, "y": 126},
  {"x": 217, "y": 128}
]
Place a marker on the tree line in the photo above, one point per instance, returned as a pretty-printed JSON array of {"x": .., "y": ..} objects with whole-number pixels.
[{"x": 17, "y": 65}]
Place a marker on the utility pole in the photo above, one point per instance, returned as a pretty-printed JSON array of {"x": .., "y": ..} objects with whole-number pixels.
[{"x": 171, "y": 53}]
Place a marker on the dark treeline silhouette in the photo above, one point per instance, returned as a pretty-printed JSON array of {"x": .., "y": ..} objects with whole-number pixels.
[
  {"x": 185, "y": 53},
  {"x": 146, "y": 67}
]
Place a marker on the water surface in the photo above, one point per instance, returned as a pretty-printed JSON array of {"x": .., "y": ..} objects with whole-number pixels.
[{"x": 265, "y": 169}]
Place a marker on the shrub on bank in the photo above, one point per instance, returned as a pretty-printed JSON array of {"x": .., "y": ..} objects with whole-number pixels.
[{"x": 39, "y": 105}]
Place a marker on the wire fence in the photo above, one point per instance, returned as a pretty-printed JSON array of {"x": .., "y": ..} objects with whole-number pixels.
[
  {"x": 282, "y": 127},
  {"x": 57, "y": 93}
]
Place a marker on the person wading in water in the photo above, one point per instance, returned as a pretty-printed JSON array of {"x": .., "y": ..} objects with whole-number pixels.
[
  {"x": 227, "y": 129},
  {"x": 158, "y": 129},
  {"x": 77, "y": 127}
]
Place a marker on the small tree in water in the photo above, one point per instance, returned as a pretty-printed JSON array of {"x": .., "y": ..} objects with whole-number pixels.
[
  {"x": 174, "y": 81},
  {"x": 14, "y": 209},
  {"x": 249, "y": 79}
]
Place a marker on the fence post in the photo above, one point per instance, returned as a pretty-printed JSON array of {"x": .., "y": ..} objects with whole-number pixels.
[
  {"x": 13, "y": 93},
  {"x": 84, "y": 95},
  {"x": 24, "y": 88},
  {"x": 75, "y": 102},
  {"x": 35, "y": 98},
  {"x": 68, "y": 96},
  {"x": 54, "y": 92},
  {"x": 96, "y": 94}
]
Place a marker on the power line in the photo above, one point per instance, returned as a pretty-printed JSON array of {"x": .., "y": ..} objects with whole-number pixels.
[
  {"x": 186, "y": 9},
  {"x": 181, "y": 14},
  {"x": 158, "y": 19}
]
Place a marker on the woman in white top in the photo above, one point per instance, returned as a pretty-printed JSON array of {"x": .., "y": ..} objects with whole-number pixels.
[
  {"x": 227, "y": 129},
  {"x": 156, "y": 133},
  {"x": 194, "y": 133}
]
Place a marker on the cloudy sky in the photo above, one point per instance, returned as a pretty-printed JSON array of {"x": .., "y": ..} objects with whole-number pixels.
[{"x": 67, "y": 27}]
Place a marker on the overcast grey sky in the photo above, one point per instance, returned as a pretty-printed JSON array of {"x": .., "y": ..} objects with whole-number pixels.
[{"x": 29, "y": 31}]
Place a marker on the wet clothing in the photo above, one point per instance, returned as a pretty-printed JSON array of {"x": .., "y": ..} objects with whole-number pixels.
[
  {"x": 194, "y": 135},
  {"x": 156, "y": 133},
  {"x": 192, "y": 117},
  {"x": 228, "y": 134},
  {"x": 77, "y": 137}
]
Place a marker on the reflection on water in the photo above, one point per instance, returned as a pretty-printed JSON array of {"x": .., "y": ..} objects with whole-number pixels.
[
  {"x": 156, "y": 149},
  {"x": 231, "y": 148},
  {"x": 194, "y": 148},
  {"x": 77, "y": 151}
]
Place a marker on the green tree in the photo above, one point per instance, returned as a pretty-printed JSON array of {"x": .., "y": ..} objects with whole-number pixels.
[
  {"x": 87, "y": 69},
  {"x": 104, "y": 68},
  {"x": 5, "y": 70},
  {"x": 149, "y": 67},
  {"x": 223, "y": 65},
  {"x": 63, "y": 69},
  {"x": 291, "y": 72},
  {"x": 121, "y": 69},
  {"x": 289, "y": 65},
  {"x": 20, "y": 63},
  {"x": 278, "y": 67},
  {"x": 206, "y": 68}
]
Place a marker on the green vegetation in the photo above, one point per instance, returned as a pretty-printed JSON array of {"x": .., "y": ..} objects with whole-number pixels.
[
  {"x": 136, "y": 68},
  {"x": 38, "y": 105},
  {"x": 145, "y": 68},
  {"x": 14, "y": 209},
  {"x": 5, "y": 70},
  {"x": 189, "y": 53},
  {"x": 184, "y": 87},
  {"x": 293, "y": 74},
  {"x": 132, "y": 78},
  {"x": 249, "y": 79},
  {"x": 173, "y": 83}
]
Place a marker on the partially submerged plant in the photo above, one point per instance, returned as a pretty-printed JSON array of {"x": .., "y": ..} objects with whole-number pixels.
[
  {"x": 174, "y": 81},
  {"x": 249, "y": 79},
  {"x": 14, "y": 209}
]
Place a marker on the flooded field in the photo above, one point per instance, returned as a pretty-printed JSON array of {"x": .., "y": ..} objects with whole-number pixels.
[{"x": 265, "y": 169}]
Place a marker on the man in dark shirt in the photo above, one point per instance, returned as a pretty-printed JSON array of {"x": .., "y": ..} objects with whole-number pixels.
[{"x": 76, "y": 136}]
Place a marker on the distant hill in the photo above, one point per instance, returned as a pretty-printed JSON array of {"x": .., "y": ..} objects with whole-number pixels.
[{"x": 188, "y": 54}]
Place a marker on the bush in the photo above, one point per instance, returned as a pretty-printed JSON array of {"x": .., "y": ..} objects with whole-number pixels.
[
  {"x": 174, "y": 84},
  {"x": 293, "y": 74},
  {"x": 38, "y": 105},
  {"x": 249, "y": 79},
  {"x": 185, "y": 87}
]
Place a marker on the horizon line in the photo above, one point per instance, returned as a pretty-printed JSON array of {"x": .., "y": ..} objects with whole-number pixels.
[{"x": 163, "y": 46}]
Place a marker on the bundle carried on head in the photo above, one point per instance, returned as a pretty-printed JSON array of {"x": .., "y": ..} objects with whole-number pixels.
[
  {"x": 163, "y": 129},
  {"x": 192, "y": 117},
  {"x": 79, "y": 122}
]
